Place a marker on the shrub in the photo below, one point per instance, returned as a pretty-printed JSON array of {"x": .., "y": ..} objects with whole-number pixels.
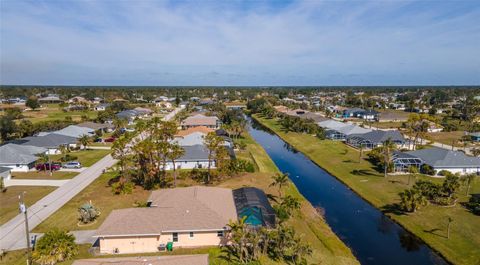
[
  {"x": 474, "y": 204},
  {"x": 123, "y": 186},
  {"x": 68, "y": 157},
  {"x": 55, "y": 246},
  {"x": 444, "y": 173},
  {"x": 427, "y": 169}
]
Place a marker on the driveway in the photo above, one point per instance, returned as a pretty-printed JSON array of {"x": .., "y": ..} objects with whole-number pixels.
[
  {"x": 73, "y": 169},
  {"x": 13, "y": 232},
  {"x": 35, "y": 182},
  {"x": 81, "y": 237}
]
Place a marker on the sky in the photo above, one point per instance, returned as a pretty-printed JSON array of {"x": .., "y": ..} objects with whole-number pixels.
[{"x": 240, "y": 43}]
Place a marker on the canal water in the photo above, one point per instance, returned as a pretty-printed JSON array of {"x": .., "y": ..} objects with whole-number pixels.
[{"x": 373, "y": 237}]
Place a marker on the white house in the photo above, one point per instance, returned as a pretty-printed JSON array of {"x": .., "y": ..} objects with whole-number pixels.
[
  {"x": 19, "y": 158},
  {"x": 195, "y": 156}
]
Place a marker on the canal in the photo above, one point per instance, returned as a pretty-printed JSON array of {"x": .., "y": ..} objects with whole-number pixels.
[{"x": 373, "y": 237}]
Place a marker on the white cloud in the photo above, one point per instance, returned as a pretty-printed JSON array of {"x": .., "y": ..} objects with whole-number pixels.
[{"x": 305, "y": 43}]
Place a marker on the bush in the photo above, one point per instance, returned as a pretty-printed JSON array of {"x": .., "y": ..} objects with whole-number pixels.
[
  {"x": 68, "y": 157},
  {"x": 474, "y": 204},
  {"x": 123, "y": 186},
  {"x": 445, "y": 173},
  {"x": 55, "y": 246},
  {"x": 427, "y": 170}
]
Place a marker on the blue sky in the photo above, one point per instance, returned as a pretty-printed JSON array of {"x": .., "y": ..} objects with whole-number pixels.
[{"x": 240, "y": 42}]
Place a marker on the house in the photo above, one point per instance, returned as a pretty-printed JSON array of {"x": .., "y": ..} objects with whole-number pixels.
[
  {"x": 351, "y": 113},
  {"x": 201, "y": 259},
  {"x": 143, "y": 112},
  {"x": 183, "y": 104},
  {"x": 368, "y": 115},
  {"x": 19, "y": 158},
  {"x": 74, "y": 131},
  {"x": 336, "y": 130},
  {"x": 164, "y": 104},
  {"x": 187, "y": 217},
  {"x": 439, "y": 159},
  {"x": 101, "y": 107},
  {"x": 202, "y": 129},
  {"x": 103, "y": 127},
  {"x": 50, "y": 98},
  {"x": 195, "y": 156},
  {"x": 376, "y": 138},
  {"x": 194, "y": 138},
  {"x": 252, "y": 204},
  {"x": 235, "y": 105},
  {"x": 78, "y": 99},
  {"x": 51, "y": 142},
  {"x": 160, "y": 99},
  {"x": 434, "y": 128},
  {"x": 97, "y": 100},
  {"x": 5, "y": 173},
  {"x": 201, "y": 120}
]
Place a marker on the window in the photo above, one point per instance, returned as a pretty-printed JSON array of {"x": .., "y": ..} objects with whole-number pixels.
[
  {"x": 220, "y": 233},
  {"x": 191, "y": 234},
  {"x": 175, "y": 237}
]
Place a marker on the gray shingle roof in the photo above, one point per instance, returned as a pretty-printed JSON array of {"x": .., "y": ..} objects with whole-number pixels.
[
  {"x": 4, "y": 169},
  {"x": 18, "y": 154},
  {"x": 439, "y": 157},
  {"x": 51, "y": 140},
  {"x": 75, "y": 131},
  {"x": 378, "y": 137},
  {"x": 194, "y": 153}
]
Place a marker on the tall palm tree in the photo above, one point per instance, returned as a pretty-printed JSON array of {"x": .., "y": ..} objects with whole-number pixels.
[
  {"x": 176, "y": 151},
  {"x": 84, "y": 140},
  {"x": 280, "y": 180},
  {"x": 468, "y": 180},
  {"x": 213, "y": 143},
  {"x": 388, "y": 146},
  {"x": 120, "y": 123}
]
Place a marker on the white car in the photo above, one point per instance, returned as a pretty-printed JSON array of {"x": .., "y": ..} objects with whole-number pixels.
[{"x": 72, "y": 164}]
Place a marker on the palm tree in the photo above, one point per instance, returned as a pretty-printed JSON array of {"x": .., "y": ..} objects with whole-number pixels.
[
  {"x": 468, "y": 180},
  {"x": 388, "y": 146},
  {"x": 119, "y": 123},
  {"x": 55, "y": 246},
  {"x": 213, "y": 143},
  {"x": 450, "y": 221},
  {"x": 280, "y": 180},
  {"x": 411, "y": 200},
  {"x": 84, "y": 141},
  {"x": 63, "y": 150},
  {"x": 361, "y": 153},
  {"x": 176, "y": 151},
  {"x": 42, "y": 159}
]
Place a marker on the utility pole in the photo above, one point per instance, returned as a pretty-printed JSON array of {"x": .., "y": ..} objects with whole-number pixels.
[{"x": 23, "y": 209}]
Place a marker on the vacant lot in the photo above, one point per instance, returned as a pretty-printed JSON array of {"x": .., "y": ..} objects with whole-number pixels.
[
  {"x": 9, "y": 199},
  {"x": 85, "y": 157},
  {"x": 448, "y": 138},
  {"x": 50, "y": 112},
  {"x": 428, "y": 223}
]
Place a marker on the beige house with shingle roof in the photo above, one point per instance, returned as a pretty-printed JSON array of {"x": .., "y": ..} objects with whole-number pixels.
[{"x": 189, "y": 217}]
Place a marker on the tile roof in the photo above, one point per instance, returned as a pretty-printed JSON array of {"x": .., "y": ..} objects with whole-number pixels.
[
  {"x": 153, "y": 260},
  {"x": 190, "y": 130},
  {"x": 200, "y": 119},
  {"x": 180, "y": 209}
]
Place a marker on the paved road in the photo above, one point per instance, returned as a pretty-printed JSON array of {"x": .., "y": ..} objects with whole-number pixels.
[
  {"x": 36, "y": 182},
  {"x": 14, "y": 230},
  {"x": 12, "y": 233}
]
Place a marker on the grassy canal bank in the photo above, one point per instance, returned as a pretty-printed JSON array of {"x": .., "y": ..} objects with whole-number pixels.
[{"x": 429, "y": 223}]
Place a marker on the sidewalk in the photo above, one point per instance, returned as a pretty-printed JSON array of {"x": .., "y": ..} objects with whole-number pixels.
[{"x": 35, "y": 182}]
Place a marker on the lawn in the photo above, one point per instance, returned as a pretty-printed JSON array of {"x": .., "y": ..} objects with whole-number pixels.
[
  {"x": 85, "y": 157},
  {"x": 100, "y": 194},
  {"x": 9, "y": 199},
  {"x": 448, "y": 138},
  {"x": 51, "y": 112},
  {"x": 429, "y": 223},
  {"x": 43, "y": 175},
  {"x": 328, "y": 248}
]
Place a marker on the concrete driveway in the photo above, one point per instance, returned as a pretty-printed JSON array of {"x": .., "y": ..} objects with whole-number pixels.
[
  {"x": 35, "y": 182},
  {"x": 14, "y": 230}
]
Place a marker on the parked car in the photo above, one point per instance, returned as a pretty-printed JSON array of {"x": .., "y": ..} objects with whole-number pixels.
[
  {"x": 98, "y": 140},
  {"x": 46, "y": 166},
  {"x": 72, "y": 164},
  {"x": 110, "y": 139}
]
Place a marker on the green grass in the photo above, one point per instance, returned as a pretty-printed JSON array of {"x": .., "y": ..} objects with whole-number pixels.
[
  {"x": 429, "y": 223},
  {"x": 100, "y": 194},
  {"x": 44, "y": 175},
  {"x": 85, "y": 157},
  {"x": 9, "y": 199},
  {"x": 54, "y": 112}
]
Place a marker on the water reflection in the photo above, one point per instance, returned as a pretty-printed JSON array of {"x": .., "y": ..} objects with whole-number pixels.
[{"x": 372, "y": 236}]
